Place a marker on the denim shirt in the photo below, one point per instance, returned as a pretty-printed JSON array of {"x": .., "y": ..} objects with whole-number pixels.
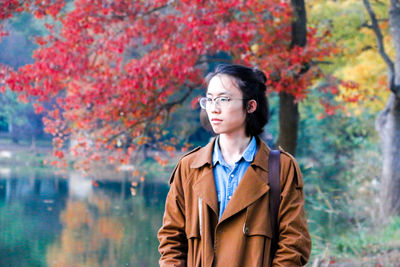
[{"x": 227, "y": 177}]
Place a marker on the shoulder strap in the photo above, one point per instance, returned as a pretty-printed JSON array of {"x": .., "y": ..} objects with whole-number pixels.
[{"x": 275, "y": 198}]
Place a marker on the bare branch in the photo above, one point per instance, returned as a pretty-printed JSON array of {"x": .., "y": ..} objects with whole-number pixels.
[
  {"x": 365, "y": 48},
  {"x": 213, "y": 60},
  {"x": 156, "y": 9},
  {"x": 166, "y": 107},
  {"x": 379, "y": 2},
  {"x": 369, "y": 26},
  {"x": 322, "y": 62},
  {"x": 143, "y": 14},
  {"x": 179, "y": 101},
  {"x": 381, "y": 47}
]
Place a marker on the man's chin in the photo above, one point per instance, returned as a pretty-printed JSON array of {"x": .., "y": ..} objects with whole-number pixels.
[{"x": 216, "y": 130}]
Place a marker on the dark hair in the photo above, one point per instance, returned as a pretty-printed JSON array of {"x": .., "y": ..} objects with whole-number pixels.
[{"x": 251, "y": 82}]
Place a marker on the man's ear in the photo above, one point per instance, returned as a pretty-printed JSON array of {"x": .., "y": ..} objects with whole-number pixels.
[{"x": 251, "y": 106}]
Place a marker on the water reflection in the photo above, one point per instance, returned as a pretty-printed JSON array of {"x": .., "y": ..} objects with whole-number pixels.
[{"x": 51, "y": 221}]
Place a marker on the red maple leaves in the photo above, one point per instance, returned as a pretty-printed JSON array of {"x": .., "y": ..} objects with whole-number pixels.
[{"x": 113, "y": 66}]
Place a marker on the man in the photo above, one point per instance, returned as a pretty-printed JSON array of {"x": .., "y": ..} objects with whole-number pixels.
[{"x": 217, "y": 209}]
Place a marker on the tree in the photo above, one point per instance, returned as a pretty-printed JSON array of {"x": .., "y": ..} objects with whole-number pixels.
[
  {"x": 388, "y": 121},
  {"x": 358, "y": 60},
  {"x": 288, "y": 107},
  {"x": 352, "y": 62},
  {"x": 115, "y": 67}
]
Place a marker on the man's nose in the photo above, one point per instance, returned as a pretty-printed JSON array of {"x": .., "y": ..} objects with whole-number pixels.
[{"x": 214, "y": 107}]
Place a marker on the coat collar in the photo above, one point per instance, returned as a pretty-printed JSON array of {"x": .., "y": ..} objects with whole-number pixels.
[
  {"x": 254, "y": 183},
  {"x": 261, "y": 158},
  {"x": 204, "y": 155}
]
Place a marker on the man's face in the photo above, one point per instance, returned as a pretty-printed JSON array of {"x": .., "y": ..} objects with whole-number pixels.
[{"x": 227, "y": 116}]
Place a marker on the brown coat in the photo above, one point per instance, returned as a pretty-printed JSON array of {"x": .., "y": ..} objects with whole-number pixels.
[{"x": 192, "y": 236}]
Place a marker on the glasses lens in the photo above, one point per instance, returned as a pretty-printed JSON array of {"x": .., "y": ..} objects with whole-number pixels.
[{"x": 203, "y": 102}]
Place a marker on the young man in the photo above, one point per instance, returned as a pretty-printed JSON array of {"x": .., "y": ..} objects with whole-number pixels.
[{"x": 217, "y": 209}]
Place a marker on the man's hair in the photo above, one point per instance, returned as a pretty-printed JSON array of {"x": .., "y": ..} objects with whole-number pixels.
[{"x": 251, "y": 82}]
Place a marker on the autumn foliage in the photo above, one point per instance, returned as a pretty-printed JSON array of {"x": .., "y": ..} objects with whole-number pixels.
[
  {"x": 85, "y": 237},
  {"x": 112, "y": 70}
]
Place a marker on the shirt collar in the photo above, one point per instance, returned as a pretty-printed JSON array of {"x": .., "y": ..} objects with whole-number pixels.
[{"x": 248, "y": 154}]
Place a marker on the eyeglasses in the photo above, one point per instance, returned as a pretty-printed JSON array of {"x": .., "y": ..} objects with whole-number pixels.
[{"x": 220, "y": 101}]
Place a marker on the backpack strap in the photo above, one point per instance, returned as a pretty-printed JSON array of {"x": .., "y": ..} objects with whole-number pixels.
[{"x": 275, "y": 198}]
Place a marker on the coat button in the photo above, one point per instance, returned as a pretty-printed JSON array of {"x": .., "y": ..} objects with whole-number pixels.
[{"x": 245, "y": 230}]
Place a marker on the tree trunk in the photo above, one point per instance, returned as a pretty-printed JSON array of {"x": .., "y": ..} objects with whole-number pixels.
[
  {"x": 11, "y": 130},
  {"x": 388, "y": 121},
  {"x": 288, "y": 109},
  {"x": 288, "y": 122},
  {"x": 33, "y": 143},
  {"x": 388, "y": 127}
]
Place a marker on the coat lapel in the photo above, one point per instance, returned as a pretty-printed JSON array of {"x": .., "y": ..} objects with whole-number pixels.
[
  {"x": 254, "y": 184},
  {"x": 205, "y": 184},
  {"x": 205, "y": 188},
  {"x": 250, "y": 188}
]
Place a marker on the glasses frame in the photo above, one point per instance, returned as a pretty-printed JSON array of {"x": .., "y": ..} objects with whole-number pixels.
[{"x": 216, "y": 101}]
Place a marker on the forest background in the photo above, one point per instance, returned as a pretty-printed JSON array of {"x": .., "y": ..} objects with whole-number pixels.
[{"x": 117, "y": 82}]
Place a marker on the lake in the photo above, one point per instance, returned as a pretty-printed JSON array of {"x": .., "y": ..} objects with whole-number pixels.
[{"x": 55, "y": 221}]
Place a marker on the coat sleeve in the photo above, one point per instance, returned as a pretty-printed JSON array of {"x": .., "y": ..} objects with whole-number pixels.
[
  {"x": 173, "y": 242},
  {"x": 294, "y": 244}
]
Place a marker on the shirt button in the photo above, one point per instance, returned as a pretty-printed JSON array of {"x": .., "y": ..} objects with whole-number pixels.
[
  {"x": 229, "y": 197},
  {"x": 232, "y": 175}
]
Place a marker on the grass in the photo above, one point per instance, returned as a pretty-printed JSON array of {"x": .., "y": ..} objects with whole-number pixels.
[{"x": 362, "y": 244}]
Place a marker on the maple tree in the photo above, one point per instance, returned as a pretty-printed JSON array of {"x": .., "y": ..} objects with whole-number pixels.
[
  {"x": 116, "y": 69},
  {"x": 353, "y": 60}
]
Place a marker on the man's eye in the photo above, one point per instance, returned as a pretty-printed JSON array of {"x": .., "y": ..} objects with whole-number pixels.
[
  {"x": 209, "y": 100},
  {"x": 224, "y": 99}
]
